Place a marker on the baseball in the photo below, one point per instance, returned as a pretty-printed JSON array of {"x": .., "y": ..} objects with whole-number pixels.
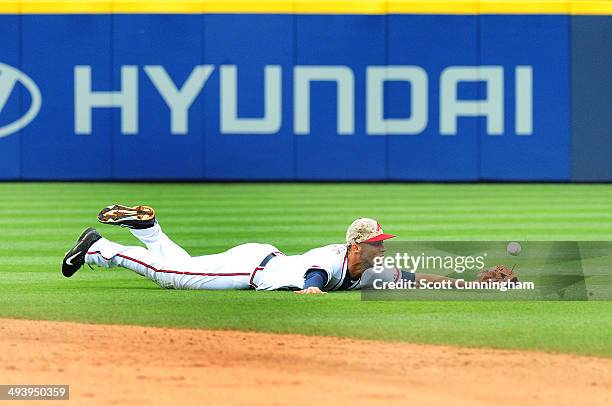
[{"x": 514, "y": 248}]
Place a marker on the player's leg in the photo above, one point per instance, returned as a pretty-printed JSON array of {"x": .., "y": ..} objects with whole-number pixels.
[
  {"x": 232, "y": 269},
  {"x": 109, "y": 254},
  {"x": 157, "y": 241},
  {"x": 91, "y": 248},
  {"x": 143, "y": 225}
]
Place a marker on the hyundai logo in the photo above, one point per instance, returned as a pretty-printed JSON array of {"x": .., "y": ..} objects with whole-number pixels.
[{"x": 9, "y": 77}]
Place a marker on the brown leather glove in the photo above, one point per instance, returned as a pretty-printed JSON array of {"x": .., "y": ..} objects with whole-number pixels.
[{"x": 500, "y": 273}]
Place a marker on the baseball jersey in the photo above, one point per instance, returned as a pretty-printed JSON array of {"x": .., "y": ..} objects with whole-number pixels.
[{"x": 287, "y": 272}]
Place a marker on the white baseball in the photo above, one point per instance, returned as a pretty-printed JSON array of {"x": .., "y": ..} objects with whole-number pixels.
[{"x": 514, "y": 248}]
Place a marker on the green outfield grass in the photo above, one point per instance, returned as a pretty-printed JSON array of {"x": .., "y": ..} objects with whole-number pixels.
[{"x": 39, "y": 222}]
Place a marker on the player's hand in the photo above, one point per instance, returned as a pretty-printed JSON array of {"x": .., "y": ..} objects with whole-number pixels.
[{"x": 310, "y": 290}]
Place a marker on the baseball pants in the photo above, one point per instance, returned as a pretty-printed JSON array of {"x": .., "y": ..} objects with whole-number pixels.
[{"x": 170, "y": 266}]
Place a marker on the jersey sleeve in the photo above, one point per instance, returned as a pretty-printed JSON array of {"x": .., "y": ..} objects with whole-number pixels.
[
  {"x": 315, "y": 277},
  {"x": 322, "y": 268}
]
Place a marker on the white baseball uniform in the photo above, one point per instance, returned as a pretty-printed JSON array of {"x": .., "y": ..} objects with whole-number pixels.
[{"x": 246, "y": 266}]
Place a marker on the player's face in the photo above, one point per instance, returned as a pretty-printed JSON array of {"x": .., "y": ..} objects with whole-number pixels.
[{"x": 369, "y": 251}]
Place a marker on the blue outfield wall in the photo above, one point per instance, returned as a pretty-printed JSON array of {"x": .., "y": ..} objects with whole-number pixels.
[{"x": 295, "y": 97}]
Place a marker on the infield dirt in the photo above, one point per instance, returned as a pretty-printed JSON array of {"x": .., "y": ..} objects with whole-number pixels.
[{"x": 112, "y": 364}]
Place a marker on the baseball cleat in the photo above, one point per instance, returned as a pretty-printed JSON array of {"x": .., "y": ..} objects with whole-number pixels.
[
  {"x": 75, "y": 257},
  {"x": 137, "y": 217}
]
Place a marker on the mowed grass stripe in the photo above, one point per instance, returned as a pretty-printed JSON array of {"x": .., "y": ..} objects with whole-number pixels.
[
  {"x": 313, "y": 203},
  {"x": 255, "y": 202},
  {"x": 209, "y": 216},
  {"x": 324, "y": 219},
  {"x": 342, "y": 191},
  {"x": 280, "y": 204},
  {"x": 586, "y": 223},
  {"x": 400, "y": 208},
  {"x": 15, "y": 214},
  {"x": 215, "y": 193},
  {"x": 213, "y": 231}
]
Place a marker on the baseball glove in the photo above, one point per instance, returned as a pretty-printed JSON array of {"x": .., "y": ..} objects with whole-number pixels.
[{"x": 500, "y": 273}]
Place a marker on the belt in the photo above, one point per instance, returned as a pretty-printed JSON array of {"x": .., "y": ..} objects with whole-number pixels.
[
  {"x": 262, "y": 265},
  {"x": 267, "y": 259}
]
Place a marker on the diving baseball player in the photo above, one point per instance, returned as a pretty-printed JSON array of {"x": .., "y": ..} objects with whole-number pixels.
[{"x": 247, "y": 266}]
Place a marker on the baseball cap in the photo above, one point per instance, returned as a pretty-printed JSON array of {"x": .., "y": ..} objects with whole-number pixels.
[{"x": 365, "y": 230}]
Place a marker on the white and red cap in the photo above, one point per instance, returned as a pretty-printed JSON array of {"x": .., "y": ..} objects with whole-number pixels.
[{"x": 365, "y": 230}]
